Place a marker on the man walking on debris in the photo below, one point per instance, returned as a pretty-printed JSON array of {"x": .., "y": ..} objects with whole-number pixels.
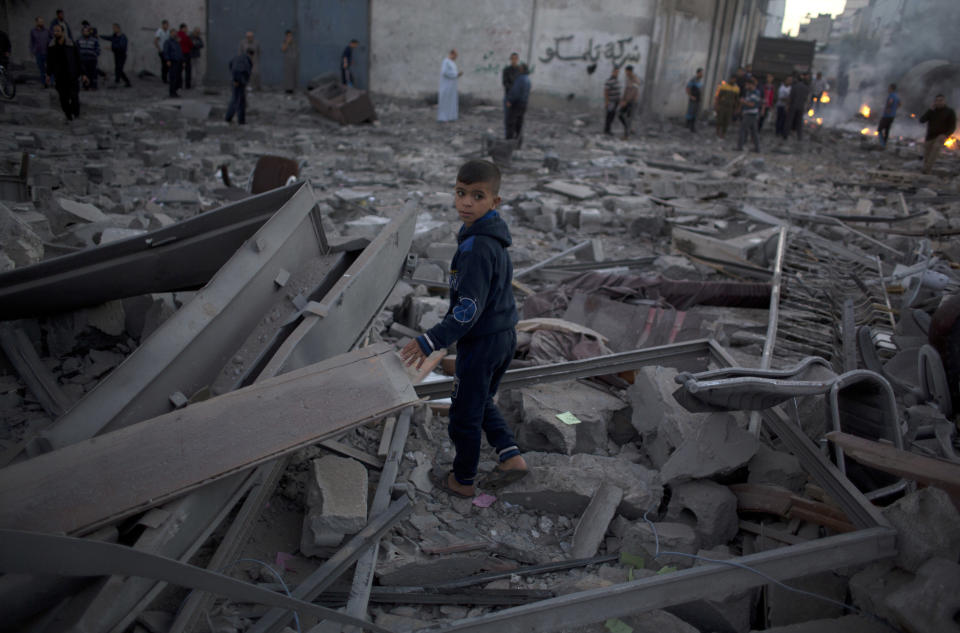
[
  {"x": 89, "y": 48},
  {"x": 346, "y": 63},
  {"x": 799, "y": 99},
  {"x": 240, "y": 67},
  {"x": 611, "y": 98},
  {"x": 159, "y": 40},
  {"x": 482, "y": 321},
  {"x": 39, "y": 39},
  {"x": 630, "y": 100},
  {"x": 941, "y": 122},
  {"x": 749, "y": 111},
  {"x": 506, "y": 78},
  {"x": 726, "y": 103},
  {"x": 63, "y": 66},
  {"x": 889, "y": 112},
  {"x": 694, "y": 90},
  {"x": 516, "y": 103},
  {"x": 173, "y": 56},
  {"x": 118, "y": 45},
  {"x": 783, "y": 107}
]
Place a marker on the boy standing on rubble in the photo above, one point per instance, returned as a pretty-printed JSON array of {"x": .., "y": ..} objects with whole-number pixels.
[{"x": 481, "y": 320}]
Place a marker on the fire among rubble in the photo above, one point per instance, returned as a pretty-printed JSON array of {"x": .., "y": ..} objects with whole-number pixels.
[
  {"x": 951, "y": 142},
  {"x": 810, "y": 112},
  {"x": 825, "y": 98},
  {"x": 865, "y": 111}
]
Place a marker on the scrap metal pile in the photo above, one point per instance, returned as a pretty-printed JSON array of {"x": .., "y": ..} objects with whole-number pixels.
[{"x": 731, "y": 374}]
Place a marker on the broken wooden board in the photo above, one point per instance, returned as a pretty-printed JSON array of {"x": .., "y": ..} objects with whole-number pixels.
[
  {"x": 782, "y": 502},
  {"x": 75, "y": 489},
  {"x": 885, "y": 457}
]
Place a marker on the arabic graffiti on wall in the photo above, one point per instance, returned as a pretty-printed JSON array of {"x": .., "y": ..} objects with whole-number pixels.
[
  {"x": 490, "y": 64},
  {"x": 619, "y": 52}
]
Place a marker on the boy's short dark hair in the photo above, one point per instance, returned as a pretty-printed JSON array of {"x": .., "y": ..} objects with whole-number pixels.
[
  {"x": 628, "y": 67},
  {"x": 474, "y": 171}
]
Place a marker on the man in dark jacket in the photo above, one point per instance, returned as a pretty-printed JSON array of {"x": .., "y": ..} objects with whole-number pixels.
[
  {"x": 517, "y": 99},
  {"x": 88, "y": 47},
  {"x": 173, "y": 57},
  {"x": 118, "y": 45},
  {"x": 240, "y": 68},
  {"x": 941, "y": 122},
  {"x": 63, "y": 65},
  {"x": 799, "y": 100},
  {"x": 506, "y": 78},
  {"x": 481, "y": 319}
]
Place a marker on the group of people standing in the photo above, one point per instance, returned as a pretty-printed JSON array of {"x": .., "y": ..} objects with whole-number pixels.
[
  {"x": 177, "y": 50},
  {"x": 619, "y": 103},
  {"x": 67, "y": 64}
]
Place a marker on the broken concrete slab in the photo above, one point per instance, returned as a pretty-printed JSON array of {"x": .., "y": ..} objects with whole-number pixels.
[
  {"x": 569, "y": 189},
  {"x": 566, "y": 484},
  {"x": 930, "y": 602},
  {"x": 776, "y": 467},
  {"x": 928, "y": 525},
  {"x": 722, "y": 611},
  {"x": 336, "y": 499},
  {"x": 592, "y": 525},
  {"x": 663, "y": 425},
  {"x": 870, "y": 587},
  {"x": 368, "y": 226},
  {"x": 18, "y": 241},
  {"x": 708, "y": 507},
  {"x": 75, "y": 211},
  {"x": 719, "y": 446},
  {"x": 539, "y": 429}
]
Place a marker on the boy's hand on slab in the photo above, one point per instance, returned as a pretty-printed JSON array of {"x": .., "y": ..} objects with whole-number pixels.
[{"x": 411, "y": 353}]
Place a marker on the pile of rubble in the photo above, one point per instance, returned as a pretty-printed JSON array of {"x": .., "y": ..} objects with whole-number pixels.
[{"x": 203, "y": 372}]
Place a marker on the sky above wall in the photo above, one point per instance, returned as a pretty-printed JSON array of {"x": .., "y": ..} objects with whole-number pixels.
[{"x": 796, "y": 12}]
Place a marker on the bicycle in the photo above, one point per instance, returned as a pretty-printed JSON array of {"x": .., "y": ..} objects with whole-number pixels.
[{"x": 7, "y": 88}]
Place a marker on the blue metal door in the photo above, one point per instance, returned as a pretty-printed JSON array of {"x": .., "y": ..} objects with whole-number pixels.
[
  {"x": 325, "y": 27},
  {"x": 229, "y": 20}
]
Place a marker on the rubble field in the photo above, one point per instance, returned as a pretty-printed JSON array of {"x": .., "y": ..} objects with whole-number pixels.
[{"x": 667, "y": 242}]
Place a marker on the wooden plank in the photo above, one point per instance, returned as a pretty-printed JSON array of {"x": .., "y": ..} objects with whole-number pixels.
[
  {"x": 75, "y": 488},
  {"x": 39, "y": 380},
  {"x": 885, "y": 457},
  {"x": 782, "y": 502},
  {"x": 772, "y": 533},
  {"x": 593, "y": 523}
]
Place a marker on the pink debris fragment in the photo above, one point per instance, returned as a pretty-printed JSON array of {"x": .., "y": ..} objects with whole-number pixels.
[{"x": 484, "y": 500}]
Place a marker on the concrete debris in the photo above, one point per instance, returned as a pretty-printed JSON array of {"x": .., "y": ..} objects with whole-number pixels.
[
  {"x": 928, "y": 525},
  {"x": 538, "y": 427},
  {"x": 663, "y": 425},
  {"x": 846, "y": 624},
  {"x": 870, "y": 587},
  {"x": 565, "y": 484},
  {"x": 336, "y": 502},
  {"x": 642, "y": 538},
  {"x": 709, "y": 508},
  {"x": 593, "y": 523},
  {"x": 929, "y": 602},
  {"x": 19, "y": 243},
  {"x": 777, "y": 468},
  {"x": 718, "y": 447}
]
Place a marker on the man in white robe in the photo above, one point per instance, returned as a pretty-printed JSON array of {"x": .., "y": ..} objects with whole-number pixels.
[{"x": 447, "y": 91}]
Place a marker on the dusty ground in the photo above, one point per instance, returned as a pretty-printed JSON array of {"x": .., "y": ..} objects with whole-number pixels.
[{"x": 145, "y": 147}]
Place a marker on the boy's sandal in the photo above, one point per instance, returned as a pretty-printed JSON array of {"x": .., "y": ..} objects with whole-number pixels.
[
  {"x": 499, "y": 478},
  {"x": 440, "y": 477}
]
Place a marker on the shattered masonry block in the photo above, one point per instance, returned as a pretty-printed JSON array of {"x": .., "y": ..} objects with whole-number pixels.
[
  {"x": 931, "y": 601},
  {"x": 718, "y": 447},
  {"x": 368, "y": 226},
  {"x": 722, "y": 609},
  {"x": 662, "y": 423},
  {"x": 539, "y": 429},
  {"x": 870, "y": 587},
  {"x": 336, "y": 498},
  {"x": 927, "y": 525},
  {"x": 709, "y": 506},
  {"x": 776, "y": 467},
  {"x": 443, "y": 251},
  {"x": 566, "y": 484},
  {"x": 425, "y": 312},
  {"x": 592, "y": 220},
  {"x": 639, "y": 539},
  {"x": 427, "y": 232},
  {"x": 572, "y": 190}
]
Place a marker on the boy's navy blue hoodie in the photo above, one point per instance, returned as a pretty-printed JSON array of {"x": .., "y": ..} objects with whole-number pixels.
[{"x": 481, "y": 297}]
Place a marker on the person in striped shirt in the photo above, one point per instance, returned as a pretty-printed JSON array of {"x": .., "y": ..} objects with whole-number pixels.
[{"x": 611, "y": 98}]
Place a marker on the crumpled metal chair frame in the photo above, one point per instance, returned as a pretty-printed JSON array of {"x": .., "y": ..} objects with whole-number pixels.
[{"x": 860, "y": 402}]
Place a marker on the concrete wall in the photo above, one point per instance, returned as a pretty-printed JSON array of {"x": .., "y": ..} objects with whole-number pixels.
[
  {"x": 560, "y": 39},
  {"x": 139, "y": 20}
]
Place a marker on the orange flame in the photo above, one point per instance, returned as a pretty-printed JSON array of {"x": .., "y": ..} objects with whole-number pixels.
[
  {"x": 951, "y": 142},
  {"x": 865, "y": 111},
  {"x": 810, "y": 112},
  {"x": 865, "y": 131},
  {"x": 825, "y": 98},
  {"x": 819, "y": 120}
]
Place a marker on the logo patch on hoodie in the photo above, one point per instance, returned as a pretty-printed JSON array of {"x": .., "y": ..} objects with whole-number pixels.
[{"x": 465, "y": 310}]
